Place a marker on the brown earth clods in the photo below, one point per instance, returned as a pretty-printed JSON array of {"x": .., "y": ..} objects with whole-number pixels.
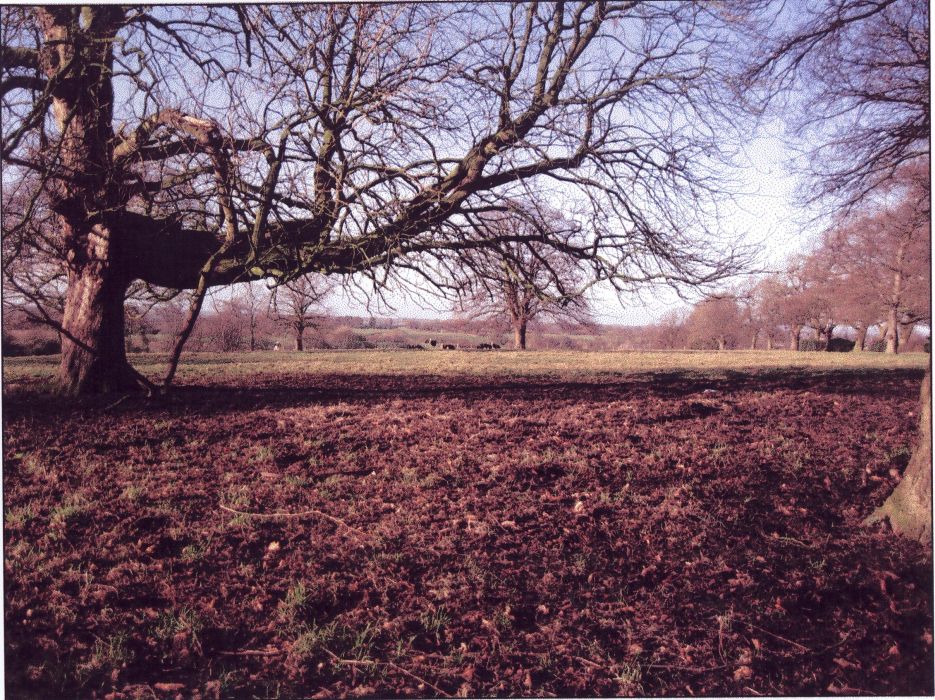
[{"x": 393, "y": 536}]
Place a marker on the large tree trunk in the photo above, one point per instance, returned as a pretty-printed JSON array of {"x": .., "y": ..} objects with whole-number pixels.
[
  {"x": 892, "y": 332},
  {"x": 299, "y": 346},
  {"x": 756, "y": 334},
  {"x": 909, "y": 507},
  {"x": 519, "y": 335},
  {"x": 84, "y": 194},
  {"x": 794, "y": 336},
  {"x": 94, "y": 358}
]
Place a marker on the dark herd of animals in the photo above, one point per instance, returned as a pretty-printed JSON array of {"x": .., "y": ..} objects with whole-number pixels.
[{"x": 448, "y": 346}]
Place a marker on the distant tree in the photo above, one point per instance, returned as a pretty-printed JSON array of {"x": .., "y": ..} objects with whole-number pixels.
[
  {"x": 228, "y": 328},
  {"x": 297, "y": 304},
  {"x": 524, "y": 280},
  {"x": 671, "y": 332},
  {"x": 881, "y": 256},
  {"x": 223, "y": 328},
  {"x": 790, "y": 300},
  {"x": 768, "y": 309},
  {"x": 137, "y": 324},
  {"x": 255, "y": 300},
  {"x": 168, "y": 317},
  {"x": 855, "y": 302},
  {"x": 744, "y": 294},
  {"x": 817, "y": 294},
  {"x": 715, "y": 324}
]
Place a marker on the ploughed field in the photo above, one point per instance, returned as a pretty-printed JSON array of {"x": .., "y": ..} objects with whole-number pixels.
[{"x": 581, "y": 529}]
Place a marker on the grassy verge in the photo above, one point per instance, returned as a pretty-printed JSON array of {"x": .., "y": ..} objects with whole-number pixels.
[{"x": 38, "y": 372}]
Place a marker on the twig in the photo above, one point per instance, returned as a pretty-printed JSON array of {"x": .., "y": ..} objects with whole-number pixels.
[
  {"x": 691, "y": 669},
  {"x": 251, "y": 652},
  {"x": 588, "y": 662},
  {"x": 303, "y": 514},
  {"x": 773, "y": 634},
  {"x": 355, "y": 662},
  {"x": 668, "y": 667},
  {"x": 836, "y": 644},
  {"x": 117, "y": 402}
]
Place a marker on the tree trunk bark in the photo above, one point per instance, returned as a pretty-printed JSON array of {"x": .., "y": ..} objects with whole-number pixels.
[
  {"x": 519, "y": 335},
  {"x": 892, "y": 321},
  {"x": 721, "y": 344},
  {"x": 909, "y": 507},
  {"x": 828, "y": 332},
  {"x": 84, "y": 196},
  {"x": 905, "y": 334},
  {"x": 756, "y": 334},
  {"x": 794, "y": 337},
  {"x": 94, "y": 358},
  {"x": 861, "y": 341},
  {"x": 298, "y": 339},
  {"x": 892, "y": 333},
  {"x": 769, "y": 341}
]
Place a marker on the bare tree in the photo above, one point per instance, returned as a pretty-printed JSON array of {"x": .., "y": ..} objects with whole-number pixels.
[
  {"x": 256, "y": 301},
  {"x": 817, "y": 295},
  {"x": 790, "y": 300},
  {"x": 856, "y": 75},
  {"x": 33, "y": 277},
  {"x": 297, "y": 304},
  {"x": 225, "y": 329},
  {"x": 882, "y": 258},
  {"x": 862, "y": 72},
  {"x": 671, "y": 332},
  {"x": 766, "y": 308},
  {"x": 715, "y": 324},
  {"x": 137, "y": 324},
  {"x": 524, "y": 280},
  {"x": 191, "y": 147}
]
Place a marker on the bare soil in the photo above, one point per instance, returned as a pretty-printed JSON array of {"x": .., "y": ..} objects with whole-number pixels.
[{"x": 466, "y": 536}]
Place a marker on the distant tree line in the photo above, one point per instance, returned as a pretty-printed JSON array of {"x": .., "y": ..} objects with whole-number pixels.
[{"x": 867, "y": 279}]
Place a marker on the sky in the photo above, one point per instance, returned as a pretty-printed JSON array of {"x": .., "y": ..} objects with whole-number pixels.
[{"x": 764, "y": 213}]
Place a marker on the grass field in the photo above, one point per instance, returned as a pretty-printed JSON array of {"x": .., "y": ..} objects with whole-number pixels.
[
  {"x": 466, "y": 524},
  {"x": 226, "y": 367}
]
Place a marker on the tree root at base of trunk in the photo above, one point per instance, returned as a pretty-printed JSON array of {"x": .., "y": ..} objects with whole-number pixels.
[
  {"x": 118, "y": 379},
  {"x": 908, "y": 516},
  {"x": 909, "y": 508}
]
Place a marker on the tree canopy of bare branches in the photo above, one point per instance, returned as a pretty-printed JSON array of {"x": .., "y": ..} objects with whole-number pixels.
[
  {"x": 297, "y": 304},
  {"x": 524, "y": 280},
  {"x": 877, "y": 260},
  {"x": 190, "y": 147},
  {"x": 851, "y": 78}
]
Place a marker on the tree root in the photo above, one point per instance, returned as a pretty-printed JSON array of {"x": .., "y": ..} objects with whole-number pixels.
[{"x": 909, "y": 508}]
